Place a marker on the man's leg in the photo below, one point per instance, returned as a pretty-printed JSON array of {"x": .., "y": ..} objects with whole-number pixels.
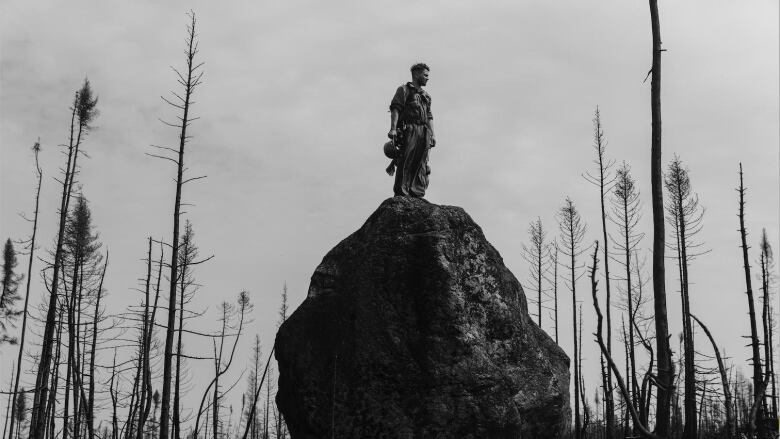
[{"x": 399, "y": 176}]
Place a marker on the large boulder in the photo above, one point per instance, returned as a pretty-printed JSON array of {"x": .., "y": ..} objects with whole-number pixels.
[{"x": 414, "y": 328}]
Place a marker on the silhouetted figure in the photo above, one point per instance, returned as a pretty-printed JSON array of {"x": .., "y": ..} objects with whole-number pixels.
[{"x": 411, "y": 130}]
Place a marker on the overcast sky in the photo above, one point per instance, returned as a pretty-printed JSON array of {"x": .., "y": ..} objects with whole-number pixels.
[{"x": 293, "y": 114}]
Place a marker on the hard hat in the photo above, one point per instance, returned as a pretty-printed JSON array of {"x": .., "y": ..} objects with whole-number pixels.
[{"x": 390, "y": 150}]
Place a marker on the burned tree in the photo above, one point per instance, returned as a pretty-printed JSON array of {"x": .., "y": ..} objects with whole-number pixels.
[
  {"x": 31, "y": 254},
  {"x": 81, "y": 273},
  {"x": 188, "y": 259},
  {"x": 664, "y": 353},
  {"x": 554, "y": 262},
  {"x": 83, "y": 112},
  {"x": 228, "y": 314},
  {"x": 767, "y": 267},
  {"x": 643, "y": 429},
  {"x": 249, "y": 413},
  {"x": 188, "y": 81},
  {"x": 572, "y": 231},
  {"x": 685, "y": 216},
  {"x": 603, "y": 180},
  {"x": 756, "y": 415},
  {"x": 730, "y": 424},
  {"x": 10, "y": 293},
  {"x": 626, "y": 215},
  {"x": 536, "y": 256}
]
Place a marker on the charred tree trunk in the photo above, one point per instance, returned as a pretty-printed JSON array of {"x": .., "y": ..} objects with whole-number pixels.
[
  {"x": 754, "y": 342},
  {"x": 91, "y": 402},
  {"x": 766, "y": 255},
  {"x": 730, "y": 424},
  {"x": 177, "y": 389},
  {"x": 664, "y": 353},
  {"x": 586, "y": 411},
  {"x": 38, "y": 421},
  {"x": 644, "y": 431},
  {"x": 572, "y": 231},
  {"x": 555, "y": 291},
  {"x": 684, "y": 216},
  {"x": 52, "y": 404},
  {"x": 600, "y": 180},
  {"x": 112, "y": 394},
  {"x": 189, "y": 83},
  {"x": 83, "y": 113},
  {"x": 36, "y": 148}
]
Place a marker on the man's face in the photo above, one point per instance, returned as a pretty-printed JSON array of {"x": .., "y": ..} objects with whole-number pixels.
[{"x": 421, "y": 76}]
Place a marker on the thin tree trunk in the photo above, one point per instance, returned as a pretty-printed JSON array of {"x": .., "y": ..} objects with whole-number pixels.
[
  {"x": 631, "y": 377},
  {"x": 74, "y": 322},
  {"x": 577, "y": 423},
  {"x": 189, "y": 85},
  {"x": 665, "y": 368},
  {"x": 690, "y": 431},
  {"x": 111, "y": 391},
  {"x": 68, "y": 369},
  {"x": 177, "y": 389},
  {"x": 644, "y": 431},
  {"x": 29, "y": 277},
  {"x": 539, "y": 283},
  {"x": 91, "y": 405},
  {"x": 765, "y": 321},
  {"x": 130, "y": 422},
  {"x": 217, "y": 373},
  {"x": 701, "y": 409},
  {"x": 586, "y": 420},
  {"x": 38, "y": 420},
  {"x": 730, "y": 424},
  {"x": 242, "y": 302},
  {"x": 772, "y": 367},
  {"x": 757, "y": 382},
  {"x": 143, "y": 357},
  {"x": 555, "y": 291},
  {"x": 610, "y": 415},
  {"x": 257, "y": 393},
  {"x": 52, "y": 403}
]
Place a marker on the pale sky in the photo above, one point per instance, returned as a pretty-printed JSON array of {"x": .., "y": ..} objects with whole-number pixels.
[{"x": 294, "y": 112}]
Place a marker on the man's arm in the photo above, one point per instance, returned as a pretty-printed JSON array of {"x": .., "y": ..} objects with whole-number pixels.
[
  {"x": 433, "y": 135},
  {"x": 396, "y": 105},
  {"x": 393, "y": 123}
]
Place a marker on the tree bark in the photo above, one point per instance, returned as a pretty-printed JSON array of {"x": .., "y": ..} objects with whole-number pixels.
[
  {"x": 754, "y": 342},
  {"x": 644, "y": 431},
  {"x": 577, "y": 422},
  {"x": 38, "y": 420},
  {"x": 39, "y": 172},
  {"x": 189, "y": 84},
  {"x": 143, "y": 351},
  {"x": 610, "y": 415},
  {"x": 664, "y": 353},
  {"x": 555, "y": 291},
  {"x": 730, "y": 424}
]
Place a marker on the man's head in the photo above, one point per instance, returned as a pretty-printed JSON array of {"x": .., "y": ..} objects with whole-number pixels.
[{"x": 420, "y": 73}]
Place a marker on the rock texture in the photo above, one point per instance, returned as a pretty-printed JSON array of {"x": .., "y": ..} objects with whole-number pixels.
[{"x": 414, "y": 328}]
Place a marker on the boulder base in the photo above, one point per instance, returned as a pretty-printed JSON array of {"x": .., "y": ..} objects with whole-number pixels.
[{"x": 414, "y": 328}]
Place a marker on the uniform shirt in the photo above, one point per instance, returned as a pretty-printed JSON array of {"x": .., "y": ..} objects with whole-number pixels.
[{"x": 412, "y": 103}]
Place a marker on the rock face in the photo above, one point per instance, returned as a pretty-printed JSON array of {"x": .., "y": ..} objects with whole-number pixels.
[{"x": 414, "y": 328}]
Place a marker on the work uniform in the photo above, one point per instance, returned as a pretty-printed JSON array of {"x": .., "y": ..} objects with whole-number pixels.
[{"x": 413, "y": 138}]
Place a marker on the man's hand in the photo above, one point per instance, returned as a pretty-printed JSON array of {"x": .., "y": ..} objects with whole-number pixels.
[
  {"x": 391, "y": 134},
  {"x": 433, "y": 141}
]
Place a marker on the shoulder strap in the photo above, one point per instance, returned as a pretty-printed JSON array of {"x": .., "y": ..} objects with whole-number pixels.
[{"x": 411, "y": 92}]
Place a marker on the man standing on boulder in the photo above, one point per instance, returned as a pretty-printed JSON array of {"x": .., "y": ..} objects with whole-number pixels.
[{"x": 411, "y": 129}]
